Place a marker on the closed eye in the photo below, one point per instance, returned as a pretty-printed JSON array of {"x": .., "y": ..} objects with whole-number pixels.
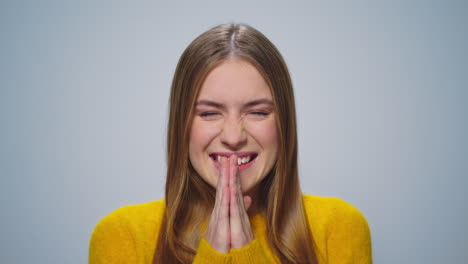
[
  {"x": 207, "y": 114},
  {"x": 260, "y": 113}
]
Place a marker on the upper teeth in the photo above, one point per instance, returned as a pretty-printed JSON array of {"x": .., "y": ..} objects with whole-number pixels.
[
  {"x": 243, "y": 160},
  {"x": 239, "y": 160}
]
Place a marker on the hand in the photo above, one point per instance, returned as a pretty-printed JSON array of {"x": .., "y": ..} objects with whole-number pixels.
[
  {"x": 229, "y": 225},
  {"x": 241, "y": 232}
]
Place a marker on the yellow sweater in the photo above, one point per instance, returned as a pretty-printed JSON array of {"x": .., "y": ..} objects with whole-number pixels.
[{"x": 129, "y": 235}]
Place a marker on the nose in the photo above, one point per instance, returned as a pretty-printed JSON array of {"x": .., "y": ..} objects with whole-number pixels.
[{"x": 233, "y": 135}]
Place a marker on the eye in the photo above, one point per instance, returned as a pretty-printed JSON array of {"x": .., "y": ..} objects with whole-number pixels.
[
  {"x": 208, "y": 114},
  {"x": 260, "y": 113}
]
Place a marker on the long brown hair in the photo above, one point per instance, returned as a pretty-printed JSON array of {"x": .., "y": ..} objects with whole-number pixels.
[{"x": 188, "y": 198}]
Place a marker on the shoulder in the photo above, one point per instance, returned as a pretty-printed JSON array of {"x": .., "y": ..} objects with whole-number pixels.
[
  {"x": 340, "y": 226},
  {"x": 126, "y": 231},
  {"x": 134, "y": 214},
  {"x": 331, "y": 209}
]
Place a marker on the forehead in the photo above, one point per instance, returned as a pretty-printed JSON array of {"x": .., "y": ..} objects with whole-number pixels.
[{"x": 234, "y": 81}]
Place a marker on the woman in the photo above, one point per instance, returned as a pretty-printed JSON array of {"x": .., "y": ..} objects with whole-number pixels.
[{"x": 232, "y": 187}]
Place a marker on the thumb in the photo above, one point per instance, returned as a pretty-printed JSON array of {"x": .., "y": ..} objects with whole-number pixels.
[{"x": 247, "y": 202}]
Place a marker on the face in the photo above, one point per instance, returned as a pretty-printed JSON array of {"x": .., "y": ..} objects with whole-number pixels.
[{"x": 234, "y": 114}]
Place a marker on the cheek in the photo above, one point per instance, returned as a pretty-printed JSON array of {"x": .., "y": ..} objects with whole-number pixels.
[
  {"x": 266, "y": 134},
  {"x": 201, "y": 136}
]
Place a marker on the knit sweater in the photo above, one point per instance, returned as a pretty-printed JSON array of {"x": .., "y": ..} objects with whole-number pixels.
[{"x": 129, "y": 235}]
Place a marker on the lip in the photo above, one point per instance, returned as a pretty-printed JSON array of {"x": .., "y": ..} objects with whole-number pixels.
[
  {"x": 229, "y": 154},
  {"x": 241, "y": 167}
]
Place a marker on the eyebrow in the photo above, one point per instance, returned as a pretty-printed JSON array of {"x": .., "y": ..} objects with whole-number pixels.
[{"x": 248, "y": 104}]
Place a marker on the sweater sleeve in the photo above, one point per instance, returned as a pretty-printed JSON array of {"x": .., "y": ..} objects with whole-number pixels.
[
  {"x": 111, "y": 242},
  {"x": 349, "y": 240},
  {"x": 252, "y": 253}
]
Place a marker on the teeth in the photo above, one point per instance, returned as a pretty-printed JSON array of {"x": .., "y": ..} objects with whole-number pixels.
[
  {"x": 239, "y": 160},
  {"x": 243, "y": 160}
]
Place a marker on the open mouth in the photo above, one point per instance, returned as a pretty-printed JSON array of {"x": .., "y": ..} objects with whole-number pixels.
[{"x": 243, "y": 159}]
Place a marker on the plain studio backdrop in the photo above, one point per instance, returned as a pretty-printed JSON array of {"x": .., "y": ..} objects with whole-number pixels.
[{"x": 381, "y": 93}]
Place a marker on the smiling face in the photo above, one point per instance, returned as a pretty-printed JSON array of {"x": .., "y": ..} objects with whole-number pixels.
[{"x": 234, "y": 113}]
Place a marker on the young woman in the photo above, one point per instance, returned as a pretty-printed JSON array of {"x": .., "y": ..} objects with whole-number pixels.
[{"x": 232, "y": 187}]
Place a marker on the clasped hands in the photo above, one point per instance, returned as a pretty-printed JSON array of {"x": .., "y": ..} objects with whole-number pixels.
[{"x": 229, "y": 225}]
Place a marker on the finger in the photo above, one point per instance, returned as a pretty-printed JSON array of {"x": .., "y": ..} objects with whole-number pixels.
[
  {"x": 224, "y": 211},
  {"x": 223, "y": 178},
  {"x": 236, "y": 200},
  {"x": 224, "y": 172},
  {"x": 234, "y": 212},
  {"x": 241, "y": 232},
  {"x": 224, "y": 216},
  {"x": 247, "y": 202},
  {"x": 232, "y": 170},
  {"x": 220, "y": 188},
  {"x": 219, "y": 233},
  {"x": 221, "y": 215},
  {"x": 234, "y": 181}
]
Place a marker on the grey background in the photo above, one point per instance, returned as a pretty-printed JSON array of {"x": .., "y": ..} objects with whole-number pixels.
[{"x": 381, "y": 90}]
